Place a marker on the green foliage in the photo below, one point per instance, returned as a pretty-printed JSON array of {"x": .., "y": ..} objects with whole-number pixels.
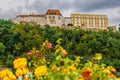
[
  {"x": 2, "y": 48},
  {"x": 6, "y": 61},
  {"x": 61, "y": 67},
  {"x": 27, "y": 37},
  {"x": 9, "y": 61},
  {"x": 21, "y": 38}
]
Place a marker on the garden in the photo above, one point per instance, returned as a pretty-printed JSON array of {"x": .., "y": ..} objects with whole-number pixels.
[{"x": 34, "y": 53}]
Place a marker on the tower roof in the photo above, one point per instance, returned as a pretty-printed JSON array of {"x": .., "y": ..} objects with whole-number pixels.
[{"x": 53, "y": 12}]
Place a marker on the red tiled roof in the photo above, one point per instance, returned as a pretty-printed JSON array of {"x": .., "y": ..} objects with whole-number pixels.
[{"x": 53, "y": 12}]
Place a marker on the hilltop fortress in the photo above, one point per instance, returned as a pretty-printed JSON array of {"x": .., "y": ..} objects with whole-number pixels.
[{"x": 55, "y": 18}]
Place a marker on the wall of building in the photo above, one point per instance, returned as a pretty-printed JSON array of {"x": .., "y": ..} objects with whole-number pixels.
[
  {"x": 30, "y": 19},
  {"x": 54, "y": 20},
  {"x": 90, "y": 21},
  {"x": 66, "y": 21}
]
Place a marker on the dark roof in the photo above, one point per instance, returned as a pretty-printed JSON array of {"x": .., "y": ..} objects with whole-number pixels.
[{"x": 31, "y": 15}]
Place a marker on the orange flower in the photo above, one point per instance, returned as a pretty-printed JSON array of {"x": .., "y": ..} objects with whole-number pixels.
[
  {"x": 86, "y": 73},
  {"x": 114, "y": 70},
  {"x": 110, "y": 75},
  {"x": 54, "y": 67}
]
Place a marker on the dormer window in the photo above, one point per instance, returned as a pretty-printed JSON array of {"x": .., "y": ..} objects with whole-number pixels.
[{"x": 53, "y": 17}]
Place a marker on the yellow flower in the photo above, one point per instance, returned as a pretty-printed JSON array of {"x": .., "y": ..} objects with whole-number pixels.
[
  {"x": 68, "y": 69},
  {"x": 0, "y": 74},
  {"x": 18, "y": 72},
  {"x": 4, "y": 73},
  {"x": 71, "y": 68},
  {"x": 6, "y": 78},
  {"x": 40, "y": 71},
  {"x": 80, "y": 79},
  {"x": 25, "y": 71},
  {"x": 12, "y": 76},
  {"x": 118, "y": 78},
  {"x": 54, "y": 67},
  {"x": 7, "y": 75},
  {"x": 98, "y": 56},
  {"x": 20, "y": 63},
  {"x": 26, "y": 79}
]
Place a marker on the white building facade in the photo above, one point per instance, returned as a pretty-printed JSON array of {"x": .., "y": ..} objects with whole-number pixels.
[
  {"x": 31, "y": 18},
  {"x": 66, "y": 20},
  {"x": 55, "y": 18},
  {"x": 52, "y": 18}
]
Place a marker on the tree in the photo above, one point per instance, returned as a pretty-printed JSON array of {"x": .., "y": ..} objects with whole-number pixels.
[
  {"x": 2, "y": 48},
  {"x": 119, "y": 27}
]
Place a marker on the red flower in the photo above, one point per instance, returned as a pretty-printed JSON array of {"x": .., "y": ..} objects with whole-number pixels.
[
  {"x": 50, "y": 46},
  {"x": 65, "y": 52},
  {"x": 29, "y": 54},
  {"x": 114, "y": 70},
  {"x": 43, "y": 53},
  {"x": 48, "y": 62},
  {"x": 86, "y": 73},
  {"x": 37, "y": 54},
  {"x": 37, "y": 51}
]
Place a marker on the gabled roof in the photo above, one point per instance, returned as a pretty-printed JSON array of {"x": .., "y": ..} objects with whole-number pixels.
[{"x": 53, "y": 12}]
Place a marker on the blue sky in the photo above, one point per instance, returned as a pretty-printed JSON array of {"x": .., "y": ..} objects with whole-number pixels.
[{"x": 111, "y": 8}]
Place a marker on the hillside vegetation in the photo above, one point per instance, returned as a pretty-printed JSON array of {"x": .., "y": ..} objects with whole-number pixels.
[{"x": 18, "y": 39}]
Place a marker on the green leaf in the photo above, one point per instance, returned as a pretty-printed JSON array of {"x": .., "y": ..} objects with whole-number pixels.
[{"x": 66, "y": 78}]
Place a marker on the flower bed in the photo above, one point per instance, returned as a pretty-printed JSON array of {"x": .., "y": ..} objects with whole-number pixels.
[{"x": 53, "y": 63}]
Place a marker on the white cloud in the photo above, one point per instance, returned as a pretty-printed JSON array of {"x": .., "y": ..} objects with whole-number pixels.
[
  {"x": 112, "y": 13},
  {"x": 4, "y": 4},
  {"x": 11, "y": 8}
]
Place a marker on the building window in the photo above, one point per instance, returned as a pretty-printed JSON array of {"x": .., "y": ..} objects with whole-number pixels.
[
  {"x": 49, "y": 17},
  {"x": 59, "y": 17},
  {"x": 45, "y": 17},
  {"x": 53, "y": 17}
]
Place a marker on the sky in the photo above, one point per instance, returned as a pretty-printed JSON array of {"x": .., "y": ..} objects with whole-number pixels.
[{"x": 11, "y": 8}]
